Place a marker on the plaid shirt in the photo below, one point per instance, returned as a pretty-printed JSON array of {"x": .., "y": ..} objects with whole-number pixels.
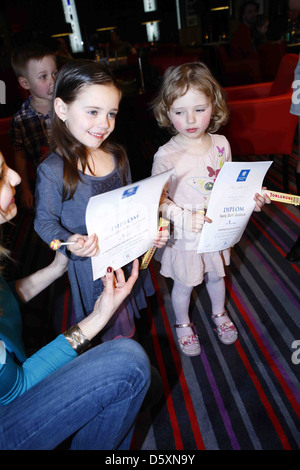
[{"x": 28, "y": 131}]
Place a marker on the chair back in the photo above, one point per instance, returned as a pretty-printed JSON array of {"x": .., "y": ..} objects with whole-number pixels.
[
  {"x": 270, "y": 56},
  {"x": 285, "y": 75},
  {"x": 163, "y": 62},
  {"x": 221, "y": 54},
  {"x": 222, "y": 59},
  {"x": 237, "y": 71}
]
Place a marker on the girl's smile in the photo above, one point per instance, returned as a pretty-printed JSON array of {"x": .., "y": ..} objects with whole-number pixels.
[{"x": 98, "y": 136}]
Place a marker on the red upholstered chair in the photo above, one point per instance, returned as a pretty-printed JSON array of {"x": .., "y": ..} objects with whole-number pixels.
[
  {"x": 5, "y": 146},
  {"x": 237, "y": 71},
  {"x": 270, "y": 56},
  {"x": 260, "y": 121},
  {"x": 163, "y": 62}
]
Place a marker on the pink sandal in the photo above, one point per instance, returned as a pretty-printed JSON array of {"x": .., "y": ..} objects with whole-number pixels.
[
  {"x": 189, "y": 344},
  {"x": 223, "y": 330}
]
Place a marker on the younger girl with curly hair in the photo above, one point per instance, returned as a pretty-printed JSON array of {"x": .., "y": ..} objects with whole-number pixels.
[{"x": 191, "y": 104}]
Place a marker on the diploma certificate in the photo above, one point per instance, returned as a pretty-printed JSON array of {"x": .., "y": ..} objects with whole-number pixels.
[
  {"x": 125, "y": 221},
  {"x": 231, "y": 204}
]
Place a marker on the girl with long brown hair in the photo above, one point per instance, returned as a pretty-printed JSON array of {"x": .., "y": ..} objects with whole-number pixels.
[
  {"x": 84, "y": 163},
  {"x": 65, "y": 389}
]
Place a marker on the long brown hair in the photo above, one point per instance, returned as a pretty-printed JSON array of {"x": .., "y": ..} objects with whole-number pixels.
[{"x": 71, "y": 78}]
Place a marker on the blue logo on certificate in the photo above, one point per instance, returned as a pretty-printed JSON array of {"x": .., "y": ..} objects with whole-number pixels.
[
  {"x": 130, "y": 192},
  {"x": 243, "y": 175}
]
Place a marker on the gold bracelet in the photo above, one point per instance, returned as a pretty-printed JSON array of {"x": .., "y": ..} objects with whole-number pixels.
[{"x": 77, "y": 339}]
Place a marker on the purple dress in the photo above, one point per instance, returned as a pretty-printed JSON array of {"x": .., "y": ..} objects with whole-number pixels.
[{"x": 58, "y": 220}]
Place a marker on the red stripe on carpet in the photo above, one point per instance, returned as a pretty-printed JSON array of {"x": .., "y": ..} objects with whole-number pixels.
[
  {"x": 263, "y": 397},
  {"x": 177, "y": 362},
  {"x": 287, "y": 212},
  {"x": 271, "y": 240},
  {"x": 164, "y": 378},
  {"x": 288, "y": 392}
]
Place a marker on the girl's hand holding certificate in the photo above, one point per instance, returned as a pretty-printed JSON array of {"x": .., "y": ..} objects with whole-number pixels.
[
  {"x": 261, "y": 200},
  {"x": 162, "y": 237},
  {"x": 84, "y": 246},
  {"x": 198, "y": 219},
  {"x": 87, "y": 246}
]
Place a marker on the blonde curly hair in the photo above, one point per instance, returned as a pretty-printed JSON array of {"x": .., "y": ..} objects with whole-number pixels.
[{"x": 177, "y": 81}]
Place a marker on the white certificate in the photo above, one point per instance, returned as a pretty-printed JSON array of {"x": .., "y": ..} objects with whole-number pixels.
[
  {"x": 125, "y": 221},
  {"x": 231, "y": 204}
]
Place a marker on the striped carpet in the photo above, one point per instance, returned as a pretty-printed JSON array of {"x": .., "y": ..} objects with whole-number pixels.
[
  {"x": 240, "y": 397},
  {"x": 244, "y": 396}
]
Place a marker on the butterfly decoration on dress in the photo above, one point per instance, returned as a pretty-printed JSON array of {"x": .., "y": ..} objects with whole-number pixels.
[
  {"x": 205, "y": 184},
  {"x": 214, "y": 173}
]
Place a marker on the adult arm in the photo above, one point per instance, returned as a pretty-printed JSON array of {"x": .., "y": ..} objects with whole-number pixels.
[
  {"x": 32, "y": 285},
  {"x": 16, "y": 379}
]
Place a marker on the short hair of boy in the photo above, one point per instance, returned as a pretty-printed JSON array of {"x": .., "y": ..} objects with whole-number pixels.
[{"x": 21, "y": 55}]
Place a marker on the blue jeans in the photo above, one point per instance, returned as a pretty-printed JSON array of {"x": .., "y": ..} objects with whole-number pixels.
[{"x": 95, "y": 398}]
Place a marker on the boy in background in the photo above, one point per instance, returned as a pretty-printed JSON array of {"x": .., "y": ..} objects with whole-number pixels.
[{"x": 36, "y": 69}]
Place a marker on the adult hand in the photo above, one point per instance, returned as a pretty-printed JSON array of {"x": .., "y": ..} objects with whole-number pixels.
[
  {"x": 30, "y": 286},
  {"x": 115, "y": 291}
]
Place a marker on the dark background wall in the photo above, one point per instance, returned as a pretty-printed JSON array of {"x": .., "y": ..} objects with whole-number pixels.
[{"x": 21, "y": 20}]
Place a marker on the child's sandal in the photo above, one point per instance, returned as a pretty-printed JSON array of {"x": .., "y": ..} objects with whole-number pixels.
[
  {"x": 189, "y": 344},
  {"x": 226, "y": 331}
]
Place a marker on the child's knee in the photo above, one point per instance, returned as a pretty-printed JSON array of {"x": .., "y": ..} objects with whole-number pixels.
[{"x": 213, "y": 277}]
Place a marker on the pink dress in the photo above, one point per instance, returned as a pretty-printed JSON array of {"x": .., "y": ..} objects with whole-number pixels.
[{"x": 189, "y": 188}]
